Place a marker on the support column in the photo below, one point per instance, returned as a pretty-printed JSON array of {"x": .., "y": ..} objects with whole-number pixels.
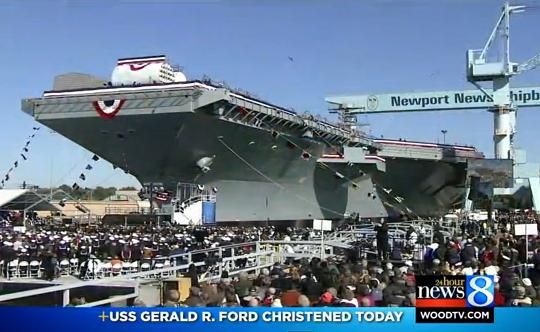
[
  {"x": 504, "y": 117},
  {"x": 503, "y": 135}
]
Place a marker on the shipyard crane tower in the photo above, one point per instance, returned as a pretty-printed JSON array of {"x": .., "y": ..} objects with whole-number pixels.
[{"x": 499, "y": 72}]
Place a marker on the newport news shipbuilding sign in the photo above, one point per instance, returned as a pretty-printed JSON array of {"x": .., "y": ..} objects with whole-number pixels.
[{"x": 433, "y": 101}]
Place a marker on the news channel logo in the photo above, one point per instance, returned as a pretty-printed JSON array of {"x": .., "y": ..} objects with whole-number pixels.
[
  {"x": 455, "y": 299},
  {"x": 480, "y": 291}
]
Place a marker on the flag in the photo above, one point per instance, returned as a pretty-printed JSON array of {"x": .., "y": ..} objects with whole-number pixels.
[
  {"x": 75, "y": 186},
  {"x": 89, "y": 167},
  {"x": 23, "y": 156},
  {"x": 16, "y": 163},
  {"x": 82, "y": 176},
  {"x": 7, "y": 177},
  {"x": 25, "y": 149},
  {"x": 95, "y": 158},
  {"x": 27, "y": 143},
  {"x": 33, "y": 135}
]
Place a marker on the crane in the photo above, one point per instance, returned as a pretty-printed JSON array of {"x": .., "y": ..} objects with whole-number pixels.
[
  {"x": 529, "y": 64},
  {"x": 499, "y": 71},
  {"x": 500, "y": 99}
]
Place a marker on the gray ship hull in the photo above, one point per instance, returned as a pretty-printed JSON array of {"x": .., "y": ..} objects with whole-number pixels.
[
  {"x": 258, "y": 152},
  {"x": 256, "y": 180},
  {"x": 438, "y": 185}
]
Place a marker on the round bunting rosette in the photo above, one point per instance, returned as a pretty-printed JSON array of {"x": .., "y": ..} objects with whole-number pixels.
[{"x": 108, "y": 109}]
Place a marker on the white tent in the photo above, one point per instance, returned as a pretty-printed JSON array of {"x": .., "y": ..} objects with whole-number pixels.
[{"x": 20, "y": 199}]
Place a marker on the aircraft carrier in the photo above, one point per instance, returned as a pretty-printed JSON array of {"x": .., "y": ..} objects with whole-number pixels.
[{"x": 267, "y": 162}]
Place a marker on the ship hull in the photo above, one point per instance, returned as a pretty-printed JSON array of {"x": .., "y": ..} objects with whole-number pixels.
[
  {"x": 266, "y": 162},
  {"x": 258, "y": 176},
  {"x": 426, "y": 187}
]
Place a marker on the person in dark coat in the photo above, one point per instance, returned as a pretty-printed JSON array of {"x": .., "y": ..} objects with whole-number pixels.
[
  {"x": 452, "y": 255},
  {"x": 311, "y": 287},
  {"x": 7, "y": 254},
  {"x": 382, "y": 240},
  {"x": 126, "y": 253},
  {"x": 192, "y": 273},
  {"x": 468, "y": 253},
  {"x": 48, "y": 263},
  {"x": 136, "y": 252}
]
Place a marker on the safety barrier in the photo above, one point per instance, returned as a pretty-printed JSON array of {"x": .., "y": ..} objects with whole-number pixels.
[
  {"x": 227, "y": 258},
  {"x": 237, "y": 258}
]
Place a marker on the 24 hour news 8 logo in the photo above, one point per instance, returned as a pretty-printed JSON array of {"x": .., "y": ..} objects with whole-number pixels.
[{"x": 455, "y": 299}]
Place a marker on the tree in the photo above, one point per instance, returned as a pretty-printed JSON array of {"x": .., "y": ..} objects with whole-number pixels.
[
  {"x": 100, "y": 193},
  {"x": 128, "y": 188},
  {"x": 65, "y": 188}
]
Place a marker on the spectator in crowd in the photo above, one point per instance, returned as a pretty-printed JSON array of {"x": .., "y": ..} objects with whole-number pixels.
[
  {"x": 382, "y": 240},
  {"x": 172, "y": 298},
  {"x": 195, "y": 299}
]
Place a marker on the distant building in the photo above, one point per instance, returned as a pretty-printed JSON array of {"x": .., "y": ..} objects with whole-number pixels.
[{"x": 122, "y": 202}]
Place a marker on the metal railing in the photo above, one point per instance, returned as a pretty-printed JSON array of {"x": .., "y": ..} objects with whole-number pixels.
[
  {"x": 121, "y": 210},
  {"x": 395, "y": 230},
  {"x": 397, "y": 236},
  {"x": 237, "y": 258}
]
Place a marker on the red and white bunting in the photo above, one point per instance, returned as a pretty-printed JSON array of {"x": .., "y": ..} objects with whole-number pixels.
[
  {"x": 108, "y": 109},
  {"x": 139, "y": 66}
]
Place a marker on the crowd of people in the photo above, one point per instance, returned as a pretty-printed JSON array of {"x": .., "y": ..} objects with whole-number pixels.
[
  {"x": 380, "y": 274},
  {"x": 49, "y": 243}
]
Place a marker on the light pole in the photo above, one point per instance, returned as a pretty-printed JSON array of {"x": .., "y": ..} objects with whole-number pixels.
[{"x": 444, "y": 131}]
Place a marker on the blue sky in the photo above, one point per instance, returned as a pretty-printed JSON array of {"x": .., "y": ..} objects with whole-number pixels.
[{"x": 338, "y": 47}]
